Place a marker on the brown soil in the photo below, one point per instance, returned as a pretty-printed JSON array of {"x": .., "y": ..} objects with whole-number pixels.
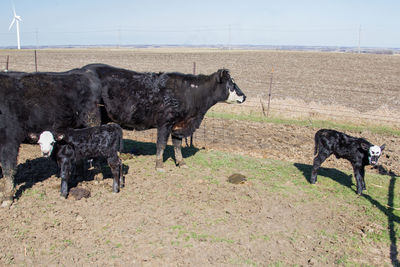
[{"x": 180, "y": 218}]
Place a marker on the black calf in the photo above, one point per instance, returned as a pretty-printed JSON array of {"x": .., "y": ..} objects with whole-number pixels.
[
  {"x": 358, "y": 151},
  {"x": 77, "y": 144}
]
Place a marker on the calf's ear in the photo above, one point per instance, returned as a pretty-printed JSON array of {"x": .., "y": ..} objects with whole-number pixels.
[
  {"x": 365, "y": 146},
  {"x": 34, "y": 137},
  {"x": 383, "y": 147},
  {"x": 60, "y": 137}
]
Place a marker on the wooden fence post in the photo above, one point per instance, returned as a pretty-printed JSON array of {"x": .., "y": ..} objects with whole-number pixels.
[
  {"x": 270, "y": 91},
  {"x": 8, "y": 59},
  {"x": 35, "y": 61}
]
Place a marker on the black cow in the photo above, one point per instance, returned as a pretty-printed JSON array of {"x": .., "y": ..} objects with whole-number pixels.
[
  {"x": 79, "y": 144},
  {"x": 34, "y": 102},
  {"x": 358, "y": 151},
  {"x": 174, "y": 103}
]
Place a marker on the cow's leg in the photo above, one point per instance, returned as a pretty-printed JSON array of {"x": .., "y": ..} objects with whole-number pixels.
[
  {"x": 362, "y": 172},
  {"x": 358, "y": 170},
  {"x": 318, "y": 160},
  {"x": 8, "y": 156},
  {"x": 121, "y": 175},
  {"x": 115, "y": 165},
  {"x": 66, "y": 170},
  {"x": 162, "y": 138},
  {"x": 177, "y": 142}
]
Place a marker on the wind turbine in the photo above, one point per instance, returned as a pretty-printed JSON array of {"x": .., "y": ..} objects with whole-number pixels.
[{"x": 16, "y": 19}]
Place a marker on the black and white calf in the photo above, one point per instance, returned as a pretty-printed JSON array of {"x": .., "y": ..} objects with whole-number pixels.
[
  {"x": 78, "y": 144},
  {"x": 358, "y": 151}
]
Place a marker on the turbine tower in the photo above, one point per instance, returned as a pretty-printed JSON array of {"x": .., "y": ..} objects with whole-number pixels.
[{"x": 16, "y": 20}]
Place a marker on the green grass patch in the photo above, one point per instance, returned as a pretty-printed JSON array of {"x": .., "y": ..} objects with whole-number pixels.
[
  {"x": 336, "y": 188},
  {"x": 306, "y": 123}
]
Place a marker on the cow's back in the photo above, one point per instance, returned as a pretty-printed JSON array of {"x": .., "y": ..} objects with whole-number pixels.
[
  {"x": 50, "y": 101},
  {"x": 132, "y": 99}
]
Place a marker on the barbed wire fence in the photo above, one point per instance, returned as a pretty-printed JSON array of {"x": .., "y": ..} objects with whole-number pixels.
[{"x": 214, "y": 131}]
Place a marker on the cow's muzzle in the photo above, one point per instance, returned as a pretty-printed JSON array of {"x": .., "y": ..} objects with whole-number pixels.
[
  {"x": 240, "y": 101},
  {"x": 374, "y": 160}
]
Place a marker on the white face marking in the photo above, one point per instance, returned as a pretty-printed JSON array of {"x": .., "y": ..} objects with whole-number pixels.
[
  {"x": 374, "y": 154},
  {"x": 194, "y": 86},
  {"x": 46, "y": 142},
  {"x": 234, "y": 98},
  {"x": 375, "y": 151}
]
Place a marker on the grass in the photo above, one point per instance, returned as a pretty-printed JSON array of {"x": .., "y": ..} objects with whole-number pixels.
[
  {"x": 309, "y": 123},
  {"x": 336, "y": 188}
]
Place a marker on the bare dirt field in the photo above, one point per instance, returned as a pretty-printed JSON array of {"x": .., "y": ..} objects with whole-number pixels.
[{"x": 193, "y": 216}]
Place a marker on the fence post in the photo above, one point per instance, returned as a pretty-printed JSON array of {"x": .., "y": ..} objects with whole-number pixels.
[
  {"x": 8, "y": 59},
  {"x": 262, "y": 107},
  {"x": 270, "y": 91},
  {"x": 35, "y": 61}
]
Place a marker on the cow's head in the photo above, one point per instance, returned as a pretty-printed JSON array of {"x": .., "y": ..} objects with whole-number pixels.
[
  {"x": 233, "y": 92},
  {"x": 374, "y": 152},
  {"x": 46, "y": 142}
]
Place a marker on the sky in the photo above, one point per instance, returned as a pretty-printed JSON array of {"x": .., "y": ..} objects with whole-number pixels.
[{"x": 207, "y": 22}]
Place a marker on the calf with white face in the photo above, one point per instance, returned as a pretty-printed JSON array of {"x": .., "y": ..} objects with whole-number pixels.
[
  {"x": 78, "y": 144},
  {"x": 46, "y": 142},
  {"x": 374, "y": 154},
  {"x": 358, "y": 151}
]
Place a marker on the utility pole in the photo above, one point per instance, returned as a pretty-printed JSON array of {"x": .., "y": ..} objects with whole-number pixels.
[
  {"x": 37, "y": 38},
  {"x": 119, "y": 37},
  {"x": 359, "y": 39},
  {"x": 229, "y": 37}
]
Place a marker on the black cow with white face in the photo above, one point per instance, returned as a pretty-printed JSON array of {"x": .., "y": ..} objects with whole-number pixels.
[
  {"x": 174, "y": 103},
  {"x": 34, "y": 102},
  {"x": 358, "y": 151},
  {"x": 75, "y": 145}
]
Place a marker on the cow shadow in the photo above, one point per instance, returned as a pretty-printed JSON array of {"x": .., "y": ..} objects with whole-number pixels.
[
  {"x": 32, "y": 172},
  {"x": 147, "y": 148},
  {"x": 40, "y": 169},
  {"x": 332, "y": 173},
  {"x": 387, "y": 209}
]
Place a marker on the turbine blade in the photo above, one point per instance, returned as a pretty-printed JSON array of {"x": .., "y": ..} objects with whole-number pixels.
[{"x": 12, "y": 23}]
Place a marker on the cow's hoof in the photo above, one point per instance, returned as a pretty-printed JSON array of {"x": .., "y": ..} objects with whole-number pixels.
[
  {"x": 182, "y": 164},
  {"x": 6, "y": 203},
  {"x": 115, "y": 190}
]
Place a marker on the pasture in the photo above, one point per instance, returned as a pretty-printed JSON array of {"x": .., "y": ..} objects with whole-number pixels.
[{"x": 193, "y": 216}]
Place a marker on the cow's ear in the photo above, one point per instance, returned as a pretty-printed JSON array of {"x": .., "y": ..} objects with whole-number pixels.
[
  {"x": 60, "y": 137},
  {"x": 365, "y": 146},
  {"x": 383, "y": 147},
  {"x": 33, "y": 137},
  {"x": 220, "y": 75}
]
